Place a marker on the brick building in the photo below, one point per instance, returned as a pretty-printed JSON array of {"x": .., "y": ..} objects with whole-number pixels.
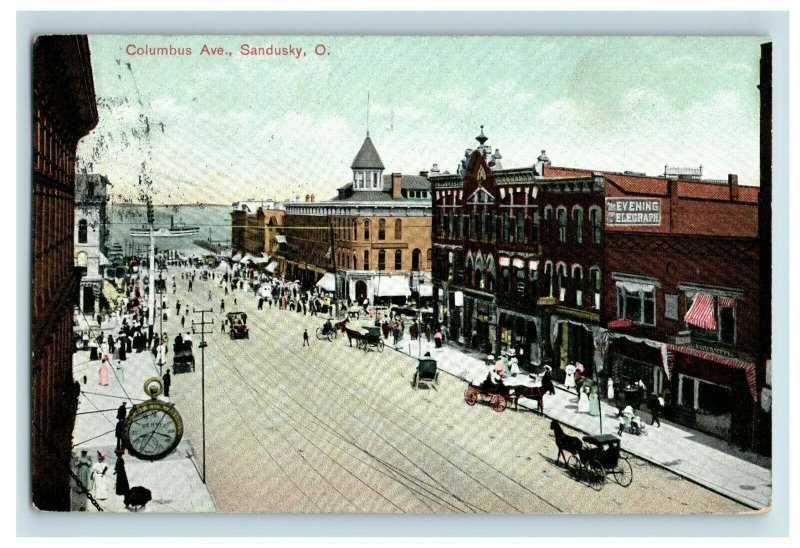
[
  {"x": 371, "y": 241},
  {"x": 64, "y": 110},
  {"x": 91, "y": 239},
  {"x": 256, "y": 230},
  {"x": 569, "y": 265}
]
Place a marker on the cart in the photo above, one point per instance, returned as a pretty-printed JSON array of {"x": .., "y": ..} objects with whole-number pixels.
[
  {"x": 426, "y": 373},
  {"x": 238, "y": 323},
  {"x": 326, "y": 332},
  {"x": 602, "y": 456},
  {"x": 182, "y": 357},
  {"x": 498, "y": 395}
]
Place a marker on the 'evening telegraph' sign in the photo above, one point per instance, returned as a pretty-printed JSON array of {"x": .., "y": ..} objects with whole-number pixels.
[{"x": 633, "y": 211}]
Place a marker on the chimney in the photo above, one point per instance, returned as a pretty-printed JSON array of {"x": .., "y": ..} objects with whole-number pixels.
[
  {"x": 307, "y": 198},
  {"x": 396, "y": 186},
  {"x": 423, "y": 174},
  {"x": 313, "y": 197},
  {"x": 733, "y": 186}
]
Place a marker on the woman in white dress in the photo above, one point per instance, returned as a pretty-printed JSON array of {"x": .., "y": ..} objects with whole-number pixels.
[
  {"x": 583, "y": 401},
  {"x": 569, "y": 380},
  {"x": 100, "y": 474}
]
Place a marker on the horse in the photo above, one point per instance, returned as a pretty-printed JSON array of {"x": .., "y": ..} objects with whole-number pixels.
[
  {"x": 564, "y": 442},
  {"x": 535, "y": 393},
  {"x": 355, "y": 335}
]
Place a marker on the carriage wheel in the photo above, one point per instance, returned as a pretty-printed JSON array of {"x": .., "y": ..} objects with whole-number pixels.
[
  {"x": 595, "y": 474},
  {"x": 471, "y": 396},
  {"x": 574, "y": 466},
  {"x": 498, "y": 403},
  {"x": 331, "y": 336},
  {"x": 380, "y": 345},
  {"x": 623, "y": 473}
]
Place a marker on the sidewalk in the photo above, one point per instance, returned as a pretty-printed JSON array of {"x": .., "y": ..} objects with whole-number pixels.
[
  {"x": 742, "y": 476},
  {"x": 174, "y": 481}
]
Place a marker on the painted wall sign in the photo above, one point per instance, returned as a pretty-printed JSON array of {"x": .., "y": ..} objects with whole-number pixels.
[{"x": 633, "y": 211}]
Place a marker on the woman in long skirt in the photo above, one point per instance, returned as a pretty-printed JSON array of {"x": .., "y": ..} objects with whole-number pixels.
[{"x": 103, "y": 373}]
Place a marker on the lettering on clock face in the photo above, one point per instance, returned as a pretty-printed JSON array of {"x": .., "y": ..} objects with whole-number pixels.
[{"x": 154, "y": 431}]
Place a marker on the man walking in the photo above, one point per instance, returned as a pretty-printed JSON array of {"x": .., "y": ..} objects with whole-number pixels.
[
  {"x": 167, "y": 382},
  {"x": 305, "y": 338}
]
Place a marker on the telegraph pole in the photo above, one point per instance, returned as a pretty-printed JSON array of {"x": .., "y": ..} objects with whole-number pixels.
[
  {"x": 202, "y": 323},
  {"x": 333, "y": 260}
]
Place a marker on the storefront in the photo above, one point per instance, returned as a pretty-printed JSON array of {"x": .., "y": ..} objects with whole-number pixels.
[
  {"x": 574, "y": 342},
  {"x": 632, "y": 361},
  {"x": 714, "y": 394},
  {"x": 520, "y": 332}
]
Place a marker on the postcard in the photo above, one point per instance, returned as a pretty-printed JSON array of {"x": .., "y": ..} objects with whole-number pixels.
[{"x": 401, "y": 274}]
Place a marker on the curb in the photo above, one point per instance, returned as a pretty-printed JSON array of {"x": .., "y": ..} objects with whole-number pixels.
[{"x": 641, "y": 457}]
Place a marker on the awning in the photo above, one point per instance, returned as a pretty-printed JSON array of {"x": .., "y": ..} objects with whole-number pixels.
[
  {"x": 748, "y": 368},
  {"x": 103, "y": 259},
  {"x": 636, "y": 287},
  {"x": 280, "y": 238},
  {"x": 518, "y": 263},
  {"x": 272, "y": 266},
  {"x": 247, "y": 258},
  {"x": 425, "y": 290},
  {"x": 392, "y": 286},
  {"x": 701, "y": 313},
  {"x": 504, "y": 261},
  {"x": 327, "y": 282},
  {"x": 223, "y": 266},
  {"x": 236, "y": 258}
]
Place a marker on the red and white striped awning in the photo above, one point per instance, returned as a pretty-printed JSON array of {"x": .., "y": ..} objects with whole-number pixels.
[
  {"x": 748, "y": 368},
  {"x": 701, "y": 313},
  {"x": 726, "y": 302}
]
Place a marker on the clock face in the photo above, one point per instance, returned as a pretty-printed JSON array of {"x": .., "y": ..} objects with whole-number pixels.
[{"x": 152, "y": 430}]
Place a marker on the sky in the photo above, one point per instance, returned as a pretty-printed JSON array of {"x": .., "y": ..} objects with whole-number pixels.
[{"x": 223, "y": 128}]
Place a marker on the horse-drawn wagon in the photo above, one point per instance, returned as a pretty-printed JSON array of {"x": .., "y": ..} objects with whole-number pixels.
[
  {"x": 427, "y": 373},
  {"x": 602, "y": 456}
]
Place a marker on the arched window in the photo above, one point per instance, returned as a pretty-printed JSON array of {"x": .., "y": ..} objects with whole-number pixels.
[
  {"x": 429, "y": 257},
  {"x": 366, "y": 259},
  {"x": 577, "y": 284},
  {"x": 561, "y": 215},
  {"x": 398, "y": 229},
  {"x": 382, "y": 259},
  {"x": 596, "y": 218},
  {"x": 479, "y": 273},
  {"x": 548, "y": 278},
  {"x": 398, "y": 260},
  {"x": 491, "y": 274},
  {"x": 355, "y": 266},
  {"x": 548, "y": 224},
  {"x": 561, "y": 272},
  {"x": 355, "y": 229},
  {"x": 366, "y": 229},
  {"x": 577, "y": 224},
  {"x": 596, "y": 282},
  {"x": 415, "y": 257},
  {"x": 82, "y": 231},
  {"x": 468, "y": 271},
  {"x": 81, "y": 259},
  {"x": 382, "y": 229}
]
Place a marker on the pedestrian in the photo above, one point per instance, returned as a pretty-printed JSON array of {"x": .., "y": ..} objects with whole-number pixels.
[
  {"x": 99, "y": 477},
  {"x": 84, "y": 469},
  {"x": 594, "y": 403},
  {"x": 569, "y": 378},
  {"x": 209, "y": 294},
  {"x": 183, "y": 321},
  {"x": 119, "y": 433},
  {"x": 583, "y": 400},
  {"x": 122, "y": 486},
  {"x": 177, "y": 308},
  {"x": 110, "y": 344},
  {"x": 120, "y": 370},
  {"x": 304, "y": 307},
  {"x": 655, "y": 404},
  {"x": 305, "y": 338},
  {"x": 103, "y": 372},
  {"x": 437, "y": 338},
  {"x": 124, "y": 345},
  {"x": 222, "y": 305},
  {"x": 93, "y": 354},
  {"x": 167, "y": 382},
  {"x": 234, "y": 301},
  {"x": 260, "y": 303},
  {"x": 85, "y": 339},
  {"x": 121, "y": 412}
]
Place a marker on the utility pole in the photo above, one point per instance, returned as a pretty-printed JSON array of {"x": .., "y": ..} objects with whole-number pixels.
[
  {"x": 151, "y": 297},
  {"x": 202, "y": 323},
  {"x": 333, "y": 260}
]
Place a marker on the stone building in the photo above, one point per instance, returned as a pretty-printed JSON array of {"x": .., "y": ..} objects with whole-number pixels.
[
  {"x": 369, "y": 242},
  {"x": 63, "y": 111},
  {"x": 91, "y": 239}
]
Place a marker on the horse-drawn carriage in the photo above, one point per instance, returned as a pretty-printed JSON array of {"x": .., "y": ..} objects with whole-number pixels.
[
  {"x": 427, "y": 373},
  {"x": 496, "y": 394},
  {"x": 328, "y": 331},
  {"x": 238, "y": 325},
  {"x": 508, "y": 391},
  {"x": 366, "y": 338},
  {"x": 602, "y": 456}
]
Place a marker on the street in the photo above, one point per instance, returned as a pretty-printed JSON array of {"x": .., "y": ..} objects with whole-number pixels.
[{"x": 329, "y": 428}]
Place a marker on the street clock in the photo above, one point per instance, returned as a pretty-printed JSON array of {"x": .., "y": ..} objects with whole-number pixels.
[{"x": 153, "y": 429}]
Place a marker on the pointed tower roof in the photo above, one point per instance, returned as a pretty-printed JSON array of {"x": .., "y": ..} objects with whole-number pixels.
[{"x": 367, "y": 157}]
